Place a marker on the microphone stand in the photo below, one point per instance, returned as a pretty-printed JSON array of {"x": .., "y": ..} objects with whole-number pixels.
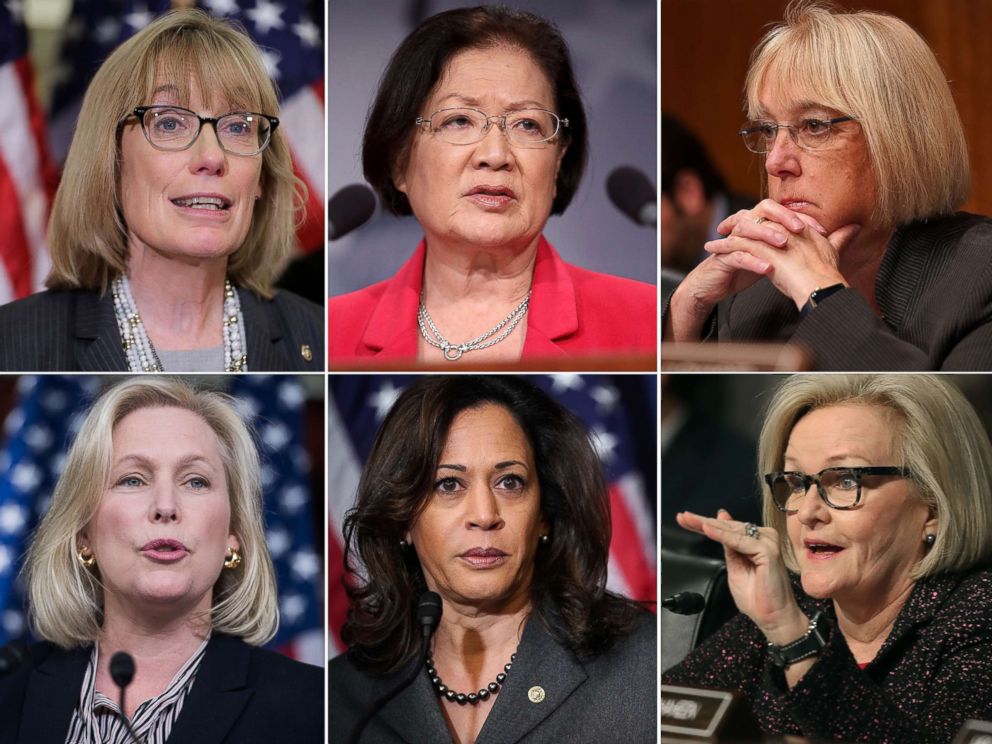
[{"x": 122, "y": 672}]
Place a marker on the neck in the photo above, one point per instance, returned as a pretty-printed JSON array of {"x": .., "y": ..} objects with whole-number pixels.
[
  {"x": 870, "y": 625},
  {"x": 473, "y": 639},
  {"x": 181, "y": 304},
  {"x": 456, "y": 273},
  {"x": 860, "y": 261}
]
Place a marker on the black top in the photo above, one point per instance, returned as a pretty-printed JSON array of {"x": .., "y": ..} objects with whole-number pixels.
[
  {"x": 241, "y": 695},
  {"x": 75, "y": 330},
  {"x": 931, "y": 674},
  {"x": 612, "y": 698}
]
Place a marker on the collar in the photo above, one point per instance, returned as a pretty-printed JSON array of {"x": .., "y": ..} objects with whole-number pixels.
[{"x": 392, "y": 329}]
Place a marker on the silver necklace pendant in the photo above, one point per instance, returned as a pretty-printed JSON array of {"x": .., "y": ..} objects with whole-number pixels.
[{"x": 453, "y": 352}]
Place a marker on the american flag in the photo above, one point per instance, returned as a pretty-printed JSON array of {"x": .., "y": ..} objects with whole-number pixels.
[
  {"x": 27, "y": 176},
  {"x": 40, "y": 428},
  {"x": 290, "y": 35},
  {"x": 359, "y": 403}
]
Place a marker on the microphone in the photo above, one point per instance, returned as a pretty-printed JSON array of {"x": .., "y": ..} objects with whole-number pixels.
[
  {"x": 122, "y": 672},
  {"x": 633, "y": 194},
  {"x": 685, "y": 603},
  {"x": 11, "y": 657},
  {"x": 349, "y": 208},
  {"x": 428, "y": 618}
]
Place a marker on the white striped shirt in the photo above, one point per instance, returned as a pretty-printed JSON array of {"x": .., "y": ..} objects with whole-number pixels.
[{"x": 97, "y": 718}]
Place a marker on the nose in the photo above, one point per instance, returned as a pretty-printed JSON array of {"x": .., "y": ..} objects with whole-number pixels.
[
  {"x": 206, "y": 154},
  {"x": 164, "y": 507},
  {"x": 482, "y": 509},
  {"x": 493, "y": 150},
  {"x": 812, "y": 510},
  {"x": 782, "y": 160}
]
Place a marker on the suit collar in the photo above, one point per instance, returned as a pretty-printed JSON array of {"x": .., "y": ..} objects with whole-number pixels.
[
  {"x": 415, "y": 709},
  {"x": 98, "y": 340},
  {"x": 262, "y": 333},
  {"x": 52, "y": 694},
  {"x": 553, "y": 314},
  {"x": 219, "y": 694}
]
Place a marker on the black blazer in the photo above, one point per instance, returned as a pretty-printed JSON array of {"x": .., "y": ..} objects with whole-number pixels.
[
  {"x": 69, "y": 331},
  {"x": 241, "y": 695},
  {"x": 612, "y": 698}
]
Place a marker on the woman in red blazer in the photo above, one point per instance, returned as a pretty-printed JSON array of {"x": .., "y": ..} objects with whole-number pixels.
[{"x": 484, "y": 285}]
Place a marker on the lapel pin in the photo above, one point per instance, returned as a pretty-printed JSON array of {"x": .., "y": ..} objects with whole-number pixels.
[
  {"x": 305, "y": 352},
  {"x": 536, "y": 694}
]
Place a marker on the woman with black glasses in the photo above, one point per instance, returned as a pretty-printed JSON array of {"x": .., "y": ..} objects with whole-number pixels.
[
  {"x": 866, "y": 600},
  {"x": 175, "y": 213}
]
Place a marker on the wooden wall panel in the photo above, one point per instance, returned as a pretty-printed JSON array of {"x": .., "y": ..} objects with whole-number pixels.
[{"x": 705, "y": 46}]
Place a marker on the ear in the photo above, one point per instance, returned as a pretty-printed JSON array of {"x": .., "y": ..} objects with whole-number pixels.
[
  {"x": 399, "y": 177},
  {"x": 931, "y": 525},
  {"x": 233, "y": 542},
  {"x": 688, "y": 193}
]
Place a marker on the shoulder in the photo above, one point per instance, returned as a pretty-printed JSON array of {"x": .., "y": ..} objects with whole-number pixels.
[
  {"x": 348, "y": 686},
  {"x": 593, "y": 286},
  {"x": 294, "y": 308},
  {"x": 357, "y": 303},
  {"x": 39, "y": 331},
  {"x": 280, "y": 671},
  {"x": 40, "y": 307}
]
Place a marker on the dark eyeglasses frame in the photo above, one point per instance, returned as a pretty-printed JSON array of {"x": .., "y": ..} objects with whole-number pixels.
[
  {"x": 809, "y": 480},
  {"x": 140, "y": 111},
  {"x": 793, "y": 131}
]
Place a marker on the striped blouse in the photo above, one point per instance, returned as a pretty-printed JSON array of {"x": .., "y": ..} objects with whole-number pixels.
[{"x": 97, "y": 719}]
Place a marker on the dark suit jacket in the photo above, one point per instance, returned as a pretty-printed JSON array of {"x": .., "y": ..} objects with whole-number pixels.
[
  {"x": 612, "y": 698},
  {"x": 573, "y": 312},
  {"x": 934, "y": 288},
  {"x": 241, "y": 695},
  {"x": 69, "y": 331}
]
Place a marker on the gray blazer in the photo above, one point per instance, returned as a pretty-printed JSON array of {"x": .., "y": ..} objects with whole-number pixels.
[
  {"x": 69, "y": 331},
  {"x": 934, "y": 288},
  {"x": 610, "y": 699}
]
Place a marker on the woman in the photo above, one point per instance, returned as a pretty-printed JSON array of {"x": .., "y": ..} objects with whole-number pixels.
[
  {"x": 857, "y": 254},
  {"x": 153, "y": 545},
  {"x": 485, "y": 491},
  {"x": 878, "y": 506},
  {"x": 478, "y": 131},
  {"x": 174, "y": 216}
]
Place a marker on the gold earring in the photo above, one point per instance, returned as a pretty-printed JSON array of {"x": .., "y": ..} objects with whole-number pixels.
[
  {"x": 86, "y": 557},
  {"x": 233, "y": 560}
]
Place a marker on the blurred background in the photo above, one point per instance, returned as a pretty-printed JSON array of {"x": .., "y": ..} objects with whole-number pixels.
[
  {"x": 49, "y": 50},
  {"x": 41, "y": 415},
  {"x": 613, "y": 45},
  {"x": 619, "y": 411}
]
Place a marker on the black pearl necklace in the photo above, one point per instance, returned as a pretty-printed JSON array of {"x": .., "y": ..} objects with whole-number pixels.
[{"x": 472, "y": 698}]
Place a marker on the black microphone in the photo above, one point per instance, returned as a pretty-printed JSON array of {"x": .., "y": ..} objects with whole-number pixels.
[
  {"x": 428, "y": 618},
  {"x": 11, "y": 657},
  {"x": 122, "y": 672},
  {"x": 349, "y": 208},
  {"x": 685, "y": 603},
  {"x": 633, "y": 194}
]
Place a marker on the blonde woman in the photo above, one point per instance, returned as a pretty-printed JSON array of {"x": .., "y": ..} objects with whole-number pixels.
[
  {"x": 153, "y": 545},
  {"x": 175, "y": 214},
  {"x": 866, "y": 599},
  {"x": 857, "y": 254}
]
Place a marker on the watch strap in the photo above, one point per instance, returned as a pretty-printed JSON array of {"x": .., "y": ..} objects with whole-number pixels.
[
  {"x": 814, "y": 641},
  {"x": 817, "y": 296}
]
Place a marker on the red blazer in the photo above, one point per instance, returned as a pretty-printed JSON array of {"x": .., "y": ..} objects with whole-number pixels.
[{"x": 573, "y": 312}]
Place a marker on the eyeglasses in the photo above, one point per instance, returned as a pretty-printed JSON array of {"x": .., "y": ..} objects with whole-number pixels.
[
  {"x": 174, "y": 128},
  {"x": 759, "y": 136},
  {"x": 840, "y": 488},
  {"x": 466, "y": 126}
]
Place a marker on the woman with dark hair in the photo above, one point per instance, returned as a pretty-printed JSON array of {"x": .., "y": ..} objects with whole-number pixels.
[
  {"x": 478, "y": 130},
  {"x": 486, "y": 491}
]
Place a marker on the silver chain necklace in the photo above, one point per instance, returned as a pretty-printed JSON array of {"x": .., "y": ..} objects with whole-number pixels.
[
  {"x": 138, "y": 348},
  {"x": 453, "y": 352}
]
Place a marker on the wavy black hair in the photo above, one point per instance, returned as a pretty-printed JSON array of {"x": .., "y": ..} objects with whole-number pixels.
[{"x": 568, "y": 592}]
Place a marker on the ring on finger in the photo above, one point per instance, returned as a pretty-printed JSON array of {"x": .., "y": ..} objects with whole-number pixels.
[
  {"x": 759, "y": 220},
  {"x": 751, "y": 530}
]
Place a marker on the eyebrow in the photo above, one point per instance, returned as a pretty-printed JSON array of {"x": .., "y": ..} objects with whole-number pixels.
[
  {"x": 498, "y": 466},
  {"x": 799, "y": 108},
  {"x": 475, "y": 102},
  {"x": 146, "y": 462},
  {"x": 833, "y": 459}
]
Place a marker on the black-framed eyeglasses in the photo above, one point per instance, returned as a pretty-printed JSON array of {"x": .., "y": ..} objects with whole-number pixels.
[
  {"x": 173, "y": 128},
  {"x": 840, "y": 488},
  {"x": 810, "y": 134},
  {"x": 532, "y": 127}
]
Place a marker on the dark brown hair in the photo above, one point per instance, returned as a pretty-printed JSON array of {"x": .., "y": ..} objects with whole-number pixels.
[
  {"x": 568, "y": 593},
  {"x": 418, "y": 64}
]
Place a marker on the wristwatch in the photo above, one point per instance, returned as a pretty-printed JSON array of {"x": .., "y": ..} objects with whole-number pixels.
[
  {"x": 817, "y": 296},
  {"x": 809, "y": 645}
]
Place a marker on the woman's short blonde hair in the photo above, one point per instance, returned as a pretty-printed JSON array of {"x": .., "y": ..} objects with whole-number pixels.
[
  {"x": 66, "y": 599},
  {"x": 936, "y": 434},
  {"x": 877, "y": 69},
  {"x": 87, "y": 233}
]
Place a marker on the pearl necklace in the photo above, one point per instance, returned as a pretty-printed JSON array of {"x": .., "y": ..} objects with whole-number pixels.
[
  {"x": 138, "y": 349},
  {"x": 453, "y": 352},
  {"x": 472, "y": 698}
]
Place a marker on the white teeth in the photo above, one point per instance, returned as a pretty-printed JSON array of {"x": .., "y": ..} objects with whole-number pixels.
[{"x": 201, "y": 202}]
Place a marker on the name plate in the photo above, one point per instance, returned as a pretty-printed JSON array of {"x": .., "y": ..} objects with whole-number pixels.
[
  {"x": 974, "y": 732},
  {"x": 693, "y": 711}
]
